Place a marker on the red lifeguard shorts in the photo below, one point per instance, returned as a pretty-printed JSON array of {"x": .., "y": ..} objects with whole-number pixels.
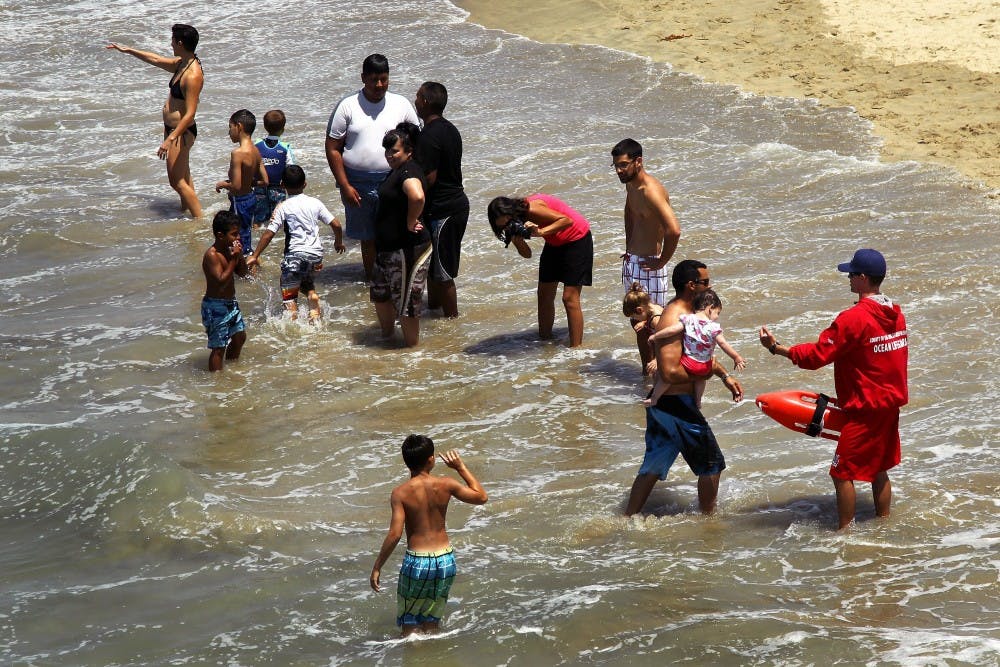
[{"x": 868, "y": 445}]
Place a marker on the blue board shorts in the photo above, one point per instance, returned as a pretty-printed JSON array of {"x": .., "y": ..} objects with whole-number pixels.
[
  {"x": 222, "y": 320},
  {"x": 360, "y": 220},
  {"x": 425, "y": 580},
  {"x": 675, "y": 426}
]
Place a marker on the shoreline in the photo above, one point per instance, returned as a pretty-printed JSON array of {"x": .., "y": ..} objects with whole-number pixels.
[{"x": 926, "y": 100}]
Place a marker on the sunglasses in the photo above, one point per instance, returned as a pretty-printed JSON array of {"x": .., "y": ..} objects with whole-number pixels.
[{"x": 705, "y": 281}]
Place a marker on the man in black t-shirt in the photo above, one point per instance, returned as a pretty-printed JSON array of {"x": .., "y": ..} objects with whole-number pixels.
[{"x": 446, "y": 211}]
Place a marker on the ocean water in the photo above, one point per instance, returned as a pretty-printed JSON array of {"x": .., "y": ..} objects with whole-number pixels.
[{"x": 152, "y": 513}]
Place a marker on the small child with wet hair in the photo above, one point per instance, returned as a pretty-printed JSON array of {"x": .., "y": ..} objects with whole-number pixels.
[
  {"x": 643, "y": 313},
  {"x": 702, "y": 333}
]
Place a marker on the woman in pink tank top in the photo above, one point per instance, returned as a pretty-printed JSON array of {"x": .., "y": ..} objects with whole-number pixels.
[{"x": 567, "y": 258}]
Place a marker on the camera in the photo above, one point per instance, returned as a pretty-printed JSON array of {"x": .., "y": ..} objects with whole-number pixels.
[{"x": 514, "y": 228}]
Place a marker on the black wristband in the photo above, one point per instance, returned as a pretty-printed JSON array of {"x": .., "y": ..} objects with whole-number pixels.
[{"x": 773, "y": 348}]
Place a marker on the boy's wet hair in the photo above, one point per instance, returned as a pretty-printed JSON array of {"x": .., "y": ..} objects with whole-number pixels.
[
  {"x": 245, "y": 119},
  {"x": 376, "y": 63},
  {"x": 274, "y": 121},
  {"x": 416, "y": 450},
  {"x": 406, "y": 132},
  {"x": 500, "y": 206},
  {"x": 630, "y": 148},
  {"x": 186, "y": 35},
  {"x": 224, "y": 221},
  {"x": 706, "y": 299},
  {"x": 294, "y": 177},
  {"x": 635, "y": 296},
  {"x": 435, "y": 95},
  {"x": 684, "y": 272}
]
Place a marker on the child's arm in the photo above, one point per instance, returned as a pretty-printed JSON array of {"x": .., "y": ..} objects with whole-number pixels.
[
  {"x": 473, "y": 493},
  {"x": 396, "y": 523},
  {"x": 738, "y": 362},
  {"x": 242, "y": 268},
  {"x": 666, "y": 332},
  {"x": 338, "y": 236},
  {"x": 219, "y": 268},
  {"x": 231, "y": 183},
  {"x": 261, "y": 171},
  {"x": 265, "y": 238}
]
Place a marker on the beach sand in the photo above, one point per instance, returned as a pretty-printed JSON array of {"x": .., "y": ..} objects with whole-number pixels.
[{"x": 926, "y": 74}]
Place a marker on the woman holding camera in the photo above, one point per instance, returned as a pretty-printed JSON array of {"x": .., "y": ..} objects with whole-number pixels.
[{"x": 567, "y": 258}]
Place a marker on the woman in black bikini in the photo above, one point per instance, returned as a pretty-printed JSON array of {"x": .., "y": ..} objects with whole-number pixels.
[{"x": 179, "y": 128}]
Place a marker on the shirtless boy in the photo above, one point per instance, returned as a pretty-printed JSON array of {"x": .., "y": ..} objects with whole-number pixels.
[
  {"x": 245, "y": 168},
  {"x": 420, "y": 505},
  {"x": 220, "y": 313},
  {"x": 651, "y": 232}
]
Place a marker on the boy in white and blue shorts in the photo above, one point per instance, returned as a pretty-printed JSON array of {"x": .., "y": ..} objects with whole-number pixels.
[{"x": 300, "y": 216}]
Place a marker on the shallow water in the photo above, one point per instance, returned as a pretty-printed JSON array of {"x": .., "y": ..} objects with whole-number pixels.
[{"x": 156, "y": 514}]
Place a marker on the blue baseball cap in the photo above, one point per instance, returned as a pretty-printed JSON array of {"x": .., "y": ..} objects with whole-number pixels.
[{"x": 867, "y": 261}]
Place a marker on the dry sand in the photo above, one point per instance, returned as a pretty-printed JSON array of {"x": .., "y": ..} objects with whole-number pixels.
[{"x": 927, "y": 74}]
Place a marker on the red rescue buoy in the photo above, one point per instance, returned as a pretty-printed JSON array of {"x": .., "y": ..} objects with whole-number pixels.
[{"x": 795, "y": 409}]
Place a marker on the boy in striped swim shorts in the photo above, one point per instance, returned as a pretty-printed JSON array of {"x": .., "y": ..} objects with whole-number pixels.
[{"x": 419, "y": 505}]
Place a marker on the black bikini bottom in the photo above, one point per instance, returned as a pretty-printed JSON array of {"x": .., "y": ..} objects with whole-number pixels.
[{"x": 193, "y": 130}]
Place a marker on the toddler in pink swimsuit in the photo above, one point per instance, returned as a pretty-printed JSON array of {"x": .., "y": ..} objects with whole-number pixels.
[{"x": 702, "y": 333}]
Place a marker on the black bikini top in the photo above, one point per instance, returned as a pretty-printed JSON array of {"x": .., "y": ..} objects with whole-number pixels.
[{"x": 175, "y": 81}]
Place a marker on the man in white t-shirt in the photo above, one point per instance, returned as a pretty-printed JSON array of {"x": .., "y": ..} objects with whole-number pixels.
[
  {"x": 300, "y": 215},
  {"x": 354, "y": 149}
]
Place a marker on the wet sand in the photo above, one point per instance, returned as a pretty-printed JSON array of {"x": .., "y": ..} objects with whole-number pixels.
[{"x": 925, "y": 76}]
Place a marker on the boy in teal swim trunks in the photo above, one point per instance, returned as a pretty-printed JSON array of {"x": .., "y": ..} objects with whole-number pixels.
[
  {"x": 220, "y": 313},
  {"x": 420, "y": 505}
]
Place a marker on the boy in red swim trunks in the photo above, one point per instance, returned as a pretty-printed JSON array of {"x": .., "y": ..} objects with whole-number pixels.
[{"x": 868, "y": 347}]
